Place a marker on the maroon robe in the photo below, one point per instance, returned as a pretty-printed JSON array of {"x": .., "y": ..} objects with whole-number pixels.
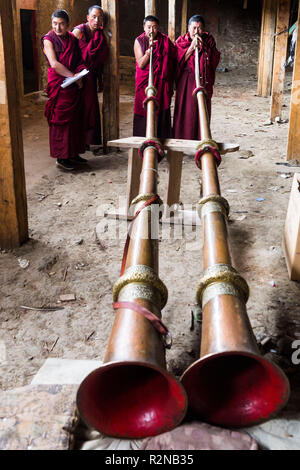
[
  {"x": 94, "y": 52},
  {"x": 63, "y": 110},
  {"x": 186, "y": 117},
  {"x": 163, "y": 65}
]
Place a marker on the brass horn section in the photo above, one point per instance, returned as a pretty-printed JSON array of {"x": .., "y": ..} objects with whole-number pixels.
[
  {"x": 231, "y": 385},
  {"x": 132, "y": 395}
]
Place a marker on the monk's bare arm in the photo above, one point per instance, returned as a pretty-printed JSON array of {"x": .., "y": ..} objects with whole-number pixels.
[
  {"x": 51, "y": 56},
  {"x": 77, "y": 33},
  {"x": 142, "y": 59}
]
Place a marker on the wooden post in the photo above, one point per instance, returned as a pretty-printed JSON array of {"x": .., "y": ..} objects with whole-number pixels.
[
  {"x": 135, "y": 164},
  {"x": 13, "y": 206},
  {"x": 172, "y": 17},
  {"x": 150, "y": 7},
  {"x": 283, "y": 16},
  {"x": 266, "y": 50},
  {"x": 293, "y": 150},
  {"x": 184, "y": 17},
  {"x": 18, "y": 44},
  {"x": 111, "y": 78},
  {"x": 174, "y": 179}
]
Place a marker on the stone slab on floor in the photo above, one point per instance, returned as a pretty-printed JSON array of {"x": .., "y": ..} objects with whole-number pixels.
[
  {"x": 37, "y": 417},
  {"x": 41, "y": 416},
  {"x": 64, "y": 371}
]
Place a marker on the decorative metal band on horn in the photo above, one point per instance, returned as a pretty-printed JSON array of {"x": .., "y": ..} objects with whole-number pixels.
[
  {"x": 156, "y": 144},
  {"x": 218, "y": 288},
  {"x": 136, "y": 290},
  {"x": 222, "y": 273},
  {"x": 141, "y": 274},
  {"x": 145, "y": 197},
  {"x": 207, "y": 145},
  {"x": 151, "y": 88},
  {"x": 151, "y": 98},
  {"x": 196, "y": 91},
  {"x": 213, "y": 203}
]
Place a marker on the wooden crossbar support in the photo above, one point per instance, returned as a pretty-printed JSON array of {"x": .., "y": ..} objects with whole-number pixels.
[
  {"x": 283, "y": 16},
  {"x": 13, "y": 204},
  {"x": 266, "y": 49},
  {"x": 175, "y": 148},
  {"x": 293, "y": 150},
  {"x": 176, "y": 145}
]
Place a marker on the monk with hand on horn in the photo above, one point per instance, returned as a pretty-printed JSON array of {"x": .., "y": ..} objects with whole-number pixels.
[
  {"x": 185, "y": 104},
  {"x": 163, "y": 70}
]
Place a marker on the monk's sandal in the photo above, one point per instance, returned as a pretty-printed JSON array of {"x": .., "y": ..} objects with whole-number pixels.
[{"x": 65, "y": 164}]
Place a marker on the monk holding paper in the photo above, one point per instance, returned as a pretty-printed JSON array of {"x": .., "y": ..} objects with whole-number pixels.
[{"x": 64, "y": 107}]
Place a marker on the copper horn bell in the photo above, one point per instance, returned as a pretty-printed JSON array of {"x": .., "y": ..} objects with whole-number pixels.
[
  {"x": 132, "y": 395},
  {"x": 231, "y": 385}
]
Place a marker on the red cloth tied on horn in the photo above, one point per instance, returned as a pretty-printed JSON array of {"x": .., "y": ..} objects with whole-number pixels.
[
  {"x": 94, "y": 51},
  {"x": 186, "y": 118},
  {"x": 63, "y": 109}
]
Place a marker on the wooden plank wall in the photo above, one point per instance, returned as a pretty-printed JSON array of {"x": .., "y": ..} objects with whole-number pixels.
[
  {"x": 13, "y": 204},
  {"x": 293, "y": 150}
]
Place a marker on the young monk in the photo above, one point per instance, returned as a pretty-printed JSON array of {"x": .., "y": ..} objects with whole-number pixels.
[
  {"x": 94, "y": 51},
  {"x": 64, "y": 107},
  {"x": 163, "y": 64},
  {"x": 186, "y": 117}
]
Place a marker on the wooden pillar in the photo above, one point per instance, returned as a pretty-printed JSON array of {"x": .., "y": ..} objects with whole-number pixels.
[
  {"x": 293, "y": 150},
  {"x": 283, "y": 16},
  {"x": 13, "y": 206},
  {"x": 266, "y": 50},
  {"x": 150, "y": 7},
  {"x": 171, "y": 22},
  {"x": 111, "y": 78},
  {"x": 18, "y": 44},
  {"x": 184, "y": 18}
]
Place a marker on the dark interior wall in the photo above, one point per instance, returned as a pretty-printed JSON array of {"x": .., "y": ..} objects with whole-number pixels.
[
  {"x": 237, "y": 31},
  {"x": 80, "y": 10}
]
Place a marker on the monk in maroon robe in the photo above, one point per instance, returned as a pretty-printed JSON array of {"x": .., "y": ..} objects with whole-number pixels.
[
  {"x": 186, "y": 117},
  {"x": 94, "y": 51},
  {"x": 163, "y": 66},
  {"x": 64, "y": 107}
]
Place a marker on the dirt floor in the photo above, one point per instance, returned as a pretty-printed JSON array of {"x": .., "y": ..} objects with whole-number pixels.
[{"x": 65, "y": 256}]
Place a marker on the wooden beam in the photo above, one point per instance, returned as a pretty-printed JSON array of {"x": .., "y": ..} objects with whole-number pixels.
[
  {"x": 293, "y": 150},
  {"x": 184, "y": 17},
  {"x": 266, "y": 53},
  {"x": 150, "y": 7},
  {"x": 189, "y": 147},
  {"x": 111, "y": 78},
  {"x": 28, "y": 4},
  {"x": 172, "y": 19},
  {"x": 13, "y": 206},
  {"x": 283, "y": 16}
]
